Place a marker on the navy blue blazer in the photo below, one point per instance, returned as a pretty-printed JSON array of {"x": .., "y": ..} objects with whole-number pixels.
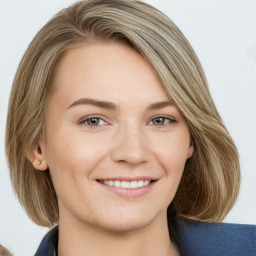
[{"x": 195, "y": 239}]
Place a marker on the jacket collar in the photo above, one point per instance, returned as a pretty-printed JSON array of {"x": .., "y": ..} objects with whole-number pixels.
[
  {"x": 194, "y": 239},
  {"x": 49, "y": 244}
]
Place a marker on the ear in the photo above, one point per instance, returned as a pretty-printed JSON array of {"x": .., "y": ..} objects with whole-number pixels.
[
  {"x": 190, "y": 151},
  {"x": 37, "y": 158}
]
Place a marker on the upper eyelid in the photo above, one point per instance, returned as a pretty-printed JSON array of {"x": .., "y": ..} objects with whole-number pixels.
[
  {"x": 165, "y": 116},
  {"x": 91, "y": 116}
]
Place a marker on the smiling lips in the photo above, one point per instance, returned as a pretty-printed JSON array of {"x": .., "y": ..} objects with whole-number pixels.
[
  {"x": 128, "y": 187},
  {"x": 126, "y": 184}
]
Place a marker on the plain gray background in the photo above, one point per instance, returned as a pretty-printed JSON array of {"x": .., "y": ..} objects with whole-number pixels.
[{"x": 223, "y": 34}]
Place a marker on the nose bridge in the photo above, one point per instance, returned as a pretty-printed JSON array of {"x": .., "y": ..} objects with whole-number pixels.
[{"x": 131, "y": 144}]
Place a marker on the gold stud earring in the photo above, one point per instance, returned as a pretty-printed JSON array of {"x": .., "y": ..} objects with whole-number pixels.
[{"x": 38, "y": 162}]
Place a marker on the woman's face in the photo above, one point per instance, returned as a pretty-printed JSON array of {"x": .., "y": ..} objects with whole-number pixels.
[{"x": 115, "y": 146}]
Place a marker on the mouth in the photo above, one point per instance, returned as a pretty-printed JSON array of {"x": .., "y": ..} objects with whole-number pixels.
[{"x": 133, "y": 184}]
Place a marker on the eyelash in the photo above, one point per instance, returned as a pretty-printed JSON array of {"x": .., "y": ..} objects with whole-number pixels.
[{"x": 85, "y": 119}]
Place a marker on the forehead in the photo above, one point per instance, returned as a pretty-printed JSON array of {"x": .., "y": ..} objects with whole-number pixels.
[{"x": 107, "y": 70}]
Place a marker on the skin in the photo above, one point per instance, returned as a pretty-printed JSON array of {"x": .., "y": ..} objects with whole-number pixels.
[{"x": 129, "y": 141}]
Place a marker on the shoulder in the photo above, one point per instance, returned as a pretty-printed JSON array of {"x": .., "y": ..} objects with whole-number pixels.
[
  {"x": 216, "y": 239},
  {"x": 49, "y": 244},
  {"x": 195, "y": 239}
]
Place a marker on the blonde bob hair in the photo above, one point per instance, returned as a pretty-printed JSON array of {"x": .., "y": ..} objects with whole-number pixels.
[{"x": 210, "y": 183}]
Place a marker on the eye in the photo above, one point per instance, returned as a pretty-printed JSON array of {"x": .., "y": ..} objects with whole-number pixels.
[
  {"x": 92, "y": 122},
  {"x": 161, "y": 121}
]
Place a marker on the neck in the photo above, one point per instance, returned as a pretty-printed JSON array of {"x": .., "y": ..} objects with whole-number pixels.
[{"x": 83, "y": 239}]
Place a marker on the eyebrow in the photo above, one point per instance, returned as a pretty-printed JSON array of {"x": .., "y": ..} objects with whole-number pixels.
[
  {"x": 113, "y": 106},
  {"x": 158, "y": 105},
  {"x": 94, "y": 102}
]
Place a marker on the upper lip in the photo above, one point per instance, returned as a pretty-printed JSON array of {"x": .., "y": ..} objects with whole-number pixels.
[{"x": 127, "y": 178}]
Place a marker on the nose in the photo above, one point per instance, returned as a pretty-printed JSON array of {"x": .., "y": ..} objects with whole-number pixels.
[{"x": 131, "y": 147}]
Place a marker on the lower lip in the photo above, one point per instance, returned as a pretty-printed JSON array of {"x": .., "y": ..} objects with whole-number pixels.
[{"x": 129, "y": 192}]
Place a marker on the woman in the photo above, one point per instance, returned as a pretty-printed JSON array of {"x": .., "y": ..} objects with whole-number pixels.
[{"x": 112, "y": 135}]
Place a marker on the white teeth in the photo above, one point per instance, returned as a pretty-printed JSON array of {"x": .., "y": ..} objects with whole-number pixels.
[
  {"x": 117, "y": 183},
  {"x": 146, "y": 182},
  {"x": 133, "y": 184},
  {"x": 111, "y": 183},
  {"x": 140, "y": 183},
  {"x": 127, "y": 184}
]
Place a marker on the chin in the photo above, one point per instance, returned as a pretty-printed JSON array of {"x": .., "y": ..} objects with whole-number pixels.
[
  {"x": 126, "y": 226},
  {"x": 126, "y": 223}
]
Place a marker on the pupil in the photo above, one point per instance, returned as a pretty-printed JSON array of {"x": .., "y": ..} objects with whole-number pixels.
[
  {"x": 93, "y": 121},
  {"x": 159, "y": 120}
]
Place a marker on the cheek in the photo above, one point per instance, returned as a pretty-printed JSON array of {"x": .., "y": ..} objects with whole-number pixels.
[
  {"x": 72, "y": 160},
  {"x": 172, "y": 152},
  {"x": 72, "y": 155}
]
